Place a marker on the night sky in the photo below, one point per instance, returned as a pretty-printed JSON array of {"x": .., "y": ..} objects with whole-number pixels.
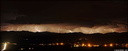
[{"x": 81, "y": 13}]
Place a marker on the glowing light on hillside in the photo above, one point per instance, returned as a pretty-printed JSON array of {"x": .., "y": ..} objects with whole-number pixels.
[
  {"x": 83, "y": 45},
  {"x": 21, "y": 48},
  {"x": 105, "y": 45},
  {"x": 111, "y": 45},
  {"x": 57, "y": 43},
  {"x": 126, "y": 45},
  {"x": 89, "y": 45},
  {"x": 61, "y": 43},
  {"x": 76, "y": 45},
  {"x": 95, "y": 45}
]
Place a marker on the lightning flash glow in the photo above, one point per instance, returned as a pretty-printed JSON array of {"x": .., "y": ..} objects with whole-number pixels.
[
  {"x": 64, "y": 28},
  {"x": 5, "y": 46}
]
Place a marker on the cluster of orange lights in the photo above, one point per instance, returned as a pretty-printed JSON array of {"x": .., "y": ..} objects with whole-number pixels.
[
  {"x": 53, "y": 44},
  {"x": 79, "y": 44},
  {"x": 95, "y": 45},
  {"x": 85, "y": 45},
  {"x": 109, "y": 45},
  {"x": 56, "y": 44},
  {"x": 88, "y": 45}
]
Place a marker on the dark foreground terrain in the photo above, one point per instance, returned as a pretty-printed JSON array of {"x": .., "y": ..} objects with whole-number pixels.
[{"x": 46, "y": 41}]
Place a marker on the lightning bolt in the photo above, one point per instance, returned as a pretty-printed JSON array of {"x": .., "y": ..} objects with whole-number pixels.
[
  {"x": 70, "y": 31},
  {"x": 37, "y": 29}
]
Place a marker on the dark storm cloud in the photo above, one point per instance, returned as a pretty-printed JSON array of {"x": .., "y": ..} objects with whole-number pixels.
[
  {"x": 64, "y": 16},
  {"x": 45, "y": 12}
]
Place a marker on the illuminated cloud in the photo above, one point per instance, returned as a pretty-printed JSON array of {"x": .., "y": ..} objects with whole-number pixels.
[
  {"x": 65, "y": 17},
  {"x": 64, "y": 28}
]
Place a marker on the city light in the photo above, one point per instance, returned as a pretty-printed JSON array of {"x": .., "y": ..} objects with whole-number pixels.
[
  {"x": 49, "y": 44},
  {"x": 76, "y": 45},
  {"x": 57, "y": 43},
  {"x": 41, "y": 44},
  {"x": 89, "y": 45},
  {"x": 53, "y": 44},
  {"x": 21, "y": 48},
  {"x": 105, "y": 45},
  {"x": 30, "y": 48},
  {"x": 126, "y": 45},
  {"x": 83, "y": 45},
  {"x": 116, "y": 44},
  {"x": 95, "y": 45},
  {"x": 110, "y": 45},
  {"x": 61, "y": 43}
]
